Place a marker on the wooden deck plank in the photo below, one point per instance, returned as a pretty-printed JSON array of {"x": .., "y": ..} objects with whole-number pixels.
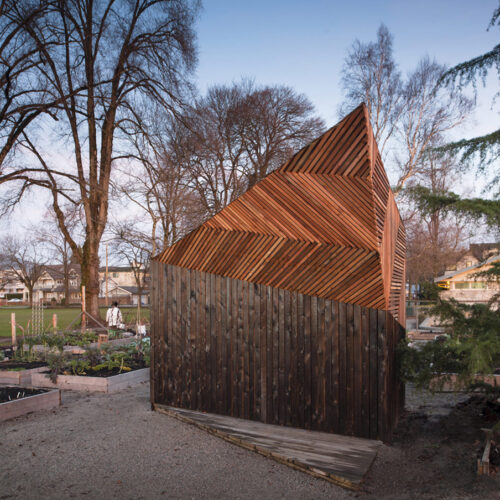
[{"x": 343, "y": 460}]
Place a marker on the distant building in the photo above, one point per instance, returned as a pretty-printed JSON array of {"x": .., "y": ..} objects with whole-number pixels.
[
  {"x": 477, "y": 253},
  {"x": 11, "y": 287},
  {"x": 50, "y": 286},
  {"x": 126, "y": 295},
  {"x": 122, "y": 285},
  {"x": 464, "y": 285}
]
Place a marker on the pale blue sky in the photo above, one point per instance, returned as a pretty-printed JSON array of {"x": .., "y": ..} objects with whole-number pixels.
[{"x": 303, "y": 43}]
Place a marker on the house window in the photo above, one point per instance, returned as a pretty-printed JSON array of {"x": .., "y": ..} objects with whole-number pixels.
[
  {"x": 478, "y": 284},
  {"x": 461, "y": 285},
  {"x": 115, "y": 275}
]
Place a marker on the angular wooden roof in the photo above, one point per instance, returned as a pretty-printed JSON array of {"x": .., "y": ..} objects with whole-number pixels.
[{"x": 324, "y": 224}]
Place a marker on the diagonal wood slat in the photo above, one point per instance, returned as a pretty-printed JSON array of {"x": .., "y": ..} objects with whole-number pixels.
[{"x": 325, "y": 224}]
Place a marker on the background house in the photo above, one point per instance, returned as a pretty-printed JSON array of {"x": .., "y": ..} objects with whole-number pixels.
[
  {"x": 464, "y": 285},
  {"x": 11, "y": 288},
  {"x": 51, "y": 285},
  {"x": 477, "y": 253},
  {"x": 122, "y": 285}
]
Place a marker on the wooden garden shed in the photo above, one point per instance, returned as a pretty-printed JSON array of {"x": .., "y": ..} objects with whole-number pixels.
[{"x": 286, "y": 306}]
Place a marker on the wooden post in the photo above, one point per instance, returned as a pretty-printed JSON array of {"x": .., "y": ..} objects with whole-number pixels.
[
  {"x": 84, "y": 317},
  {"x": 102, "y": 338},
  {"x": 54, "y": 321},
  {"x": 483, "y": 463},
  {"x": 13, "y": 329}
]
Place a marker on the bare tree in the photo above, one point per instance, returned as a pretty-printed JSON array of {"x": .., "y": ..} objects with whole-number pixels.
[
  {"x": 275, "y": 122},
  {"x": 240, "y": 133},
  {"x": 370, "y": 75},
  {"x": 407, "y": 115},
  {"x": 426, "y": 118},
  {"x": 23, "y": 97},
  {"x": 434, "y": 239},
  {"x": 118, "y": 52},
  {"x": 158, "y": 185},
  {"x": 193, "y": 165},
  {"x": 58, "y": 249},
  {"x": 25, "y": 261},
  {"x": 216, "y": 152},
  {"x": 130, "y": 244}
]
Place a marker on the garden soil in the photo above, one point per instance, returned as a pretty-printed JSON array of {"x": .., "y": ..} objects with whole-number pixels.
[{"x": 113, "y": 446}]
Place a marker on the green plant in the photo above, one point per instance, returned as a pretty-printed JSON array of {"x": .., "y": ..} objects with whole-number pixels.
[
  {"x": 31, "y": 342},
  {"x": 421, "y": 365},
  {"x": 428, "y": 290},
  {"x": 56, "y": 362},
  {"x": 79, "y": 366},
  {"x": 20, "y": 354},
  {"x": 80, "y": 339},
  {"x": 471, "y": 347},
  {"x": 93, "y": 356},
  {"x": 140, "y": 350}
]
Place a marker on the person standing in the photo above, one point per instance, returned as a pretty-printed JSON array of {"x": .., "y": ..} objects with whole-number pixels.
[{"x": 114, "y": 317}]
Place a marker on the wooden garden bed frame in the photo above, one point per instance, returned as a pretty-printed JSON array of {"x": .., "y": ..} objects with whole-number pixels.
[
  {"x": 111, "y": 384},
  {"x": 20, "y": 378},
  {"x": 29, "y": 404}
]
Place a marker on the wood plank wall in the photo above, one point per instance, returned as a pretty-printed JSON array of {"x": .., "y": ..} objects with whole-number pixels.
[{"x": 237, "y": 348}]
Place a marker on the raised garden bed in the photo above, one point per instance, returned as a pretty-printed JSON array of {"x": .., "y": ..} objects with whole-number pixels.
[
  {"x": 87, "y": 383},
  {"x": 23, "y": 401},
  {"x": 76, "y": 349},
  {"x": 14, "y": 373}
]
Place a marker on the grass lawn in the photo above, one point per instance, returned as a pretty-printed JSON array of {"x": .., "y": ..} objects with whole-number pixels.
[{"x": 64, "y": 317}]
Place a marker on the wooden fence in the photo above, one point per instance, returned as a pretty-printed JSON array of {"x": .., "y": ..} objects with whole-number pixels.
[{"x": 237, "y": 348}]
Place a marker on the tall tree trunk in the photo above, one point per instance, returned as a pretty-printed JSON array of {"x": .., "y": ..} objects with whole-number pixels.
[
  {"x": 90, "y": 278},
  {"x": 30, "y": 294},
  {"x": 66, "y": 290},
  {"x": 66, "y": 280}
]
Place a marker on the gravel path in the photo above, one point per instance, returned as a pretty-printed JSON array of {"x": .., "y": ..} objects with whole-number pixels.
[
  {"x": 434, "y": 405},
  {"x": 114, "y": 446}
]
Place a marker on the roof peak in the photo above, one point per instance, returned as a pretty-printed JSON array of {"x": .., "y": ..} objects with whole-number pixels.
[{"x": 335, "y": 152}]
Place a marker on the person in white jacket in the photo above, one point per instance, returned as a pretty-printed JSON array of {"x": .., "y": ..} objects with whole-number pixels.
[{"x": 114, "y": 317}]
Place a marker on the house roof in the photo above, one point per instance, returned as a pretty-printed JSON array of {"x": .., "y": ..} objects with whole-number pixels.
[
  {"x": 465, "y": 270},
  {"x": 134, "y": 290},
  {"x": 116, "y": 269},
  {"x": 478, "y": 250},
  {"x": 56, "y": 271},
  {"x": 131, "y": 290},
  {"x": 324, "y": 224},
  {"x": 60, "y": 289}
]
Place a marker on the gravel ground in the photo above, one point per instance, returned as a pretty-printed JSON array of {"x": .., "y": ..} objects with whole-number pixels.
[
  {"x": 434, "y": 405},
  {"x": 114, "y": 446}
]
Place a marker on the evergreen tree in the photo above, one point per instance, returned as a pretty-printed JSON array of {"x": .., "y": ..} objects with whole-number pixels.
[
  {"x": 472, "y": 346},
  {"x": 468, "y": 74}
]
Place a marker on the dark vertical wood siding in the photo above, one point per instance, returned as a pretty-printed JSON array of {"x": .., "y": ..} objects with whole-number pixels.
[{"x": 248, "y": 350}]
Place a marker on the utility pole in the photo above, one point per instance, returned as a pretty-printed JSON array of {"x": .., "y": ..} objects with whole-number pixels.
[{"x": 106, "y": 275}]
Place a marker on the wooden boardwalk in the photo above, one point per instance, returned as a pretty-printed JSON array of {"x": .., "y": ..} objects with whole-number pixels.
[{"x": 343, "y": 460}]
